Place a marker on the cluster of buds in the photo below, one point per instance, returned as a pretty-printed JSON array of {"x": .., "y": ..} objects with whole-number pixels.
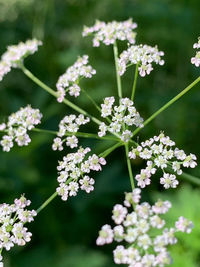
[
  {"x": 122, "y": 117},
  {"x": 108, "y": 33},
  {"x": 143, "y": 55},
  {"x": 15, "y": 55},
  {"x": 73, "y": 172},
  {"x": 69, "y": 125},
  {"x": 69, "y": 81},
  {"x": 196, "y": 60},
  {"x": 143, "y": 231},
  {"x": 12, "y": 220},
  {"x": 160, "y": 152},
  {"x": 17, "y": 126}
]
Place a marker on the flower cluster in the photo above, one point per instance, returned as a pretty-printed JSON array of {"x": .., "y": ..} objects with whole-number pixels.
[
  {"x": 17, "y": 126},
  {"x": 70, "y": 79},
  {"x": 15, "y": 55},
  {"x": 108, "y": 33},
  {"x": 12, "y": 220},
  {"x": 73, "y": 172},
  {"x": 69, "y": 125},
  {"x": 196, "y": 60},
  {"x": 143, "y": 230},
  {"x": 160, "y": 152},
  {"x": 122, "y": 117},
  {"x": 143, "y": 55}
]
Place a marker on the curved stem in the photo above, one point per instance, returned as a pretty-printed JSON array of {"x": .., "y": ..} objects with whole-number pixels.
[
  {"x": 129, "y": 167},
  {"x": 168, "y": 104},
  {"x": 119, "y": 86},
  {"x": 135, "y": 82},
  {"x": 55, "y": 94}
]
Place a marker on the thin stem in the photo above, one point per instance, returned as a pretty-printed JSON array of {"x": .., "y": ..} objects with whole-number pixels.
[
  {"x": 110, "y": 149},
  {"x": 119, "y": 86},
  {"x": 168, "y": 104},
  {"x": 190, "y": 178},
  {"x": 78, "y": 134},
  {"x": 129, "y": 167},
  {"x": 92, "y": 100},
  {"x": 135, "y": 82},
  {"x": 94, "y": 103},
  {"x": 47, "y": 202},
  {"x": 55, "y": 94}
]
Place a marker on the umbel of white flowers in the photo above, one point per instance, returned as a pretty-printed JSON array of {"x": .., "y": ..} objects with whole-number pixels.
[
  {"x": 122, "y": 118},
  {"x": 160, "y": 152},
  {"x": 69, "y": 125},
  {"x": 69, "y": 81},
  {"x": 17, "y": 127},
  {"x": 15, "y": 55},
  {"x": 134, "y": 228},
  {"x": 108, "y": 33},
  {"x": 12, "y": 220},
  {"x": 73, "y": 172}
]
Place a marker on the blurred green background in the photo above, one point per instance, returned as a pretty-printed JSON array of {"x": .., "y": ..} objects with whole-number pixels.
[{"x": 64, "y": 233}]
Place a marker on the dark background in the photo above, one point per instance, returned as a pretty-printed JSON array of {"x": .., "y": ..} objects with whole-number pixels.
[{"x": 64, "y": 233}]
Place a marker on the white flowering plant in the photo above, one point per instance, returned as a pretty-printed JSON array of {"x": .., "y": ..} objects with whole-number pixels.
[{"x": 139, "y": 226}]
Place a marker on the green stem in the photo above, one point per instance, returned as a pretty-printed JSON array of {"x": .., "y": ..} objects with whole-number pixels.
[
  {"x": 55, "y": 94},
  {"x": 190, "y": 178},
  {"x": 135, "y": 82},
  {"x": 129, "y": 167},
  {"x": 119, "y": 86},
  {"x": 78, "y": 134},
  {"x": 92, "y": 100},
  {"x": 168, "y": 104},
  {"x": 47, "y": 202},
  {"x": 110, "y": 149}
]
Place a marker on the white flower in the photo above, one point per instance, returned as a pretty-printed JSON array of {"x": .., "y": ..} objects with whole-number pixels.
[
  {"x": 184, "y": 225},
  {"x": 87, "y": 184},
  {"x": 143, "y": 178},
  {"x": 118, "y": 233},
  {"x": 169, "y": 180},
  {"x": 161, "y": 207},
  {"x": 105, "y": 235},
  {"x": 62, "y": 191},
  {"x": 72, "y": 141},
  {"x": 133, "y": 197},
  {"x": 119, "y": 213},
  {"x": 120, "y": 255},
  {"x": 144, "y": 241}
]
